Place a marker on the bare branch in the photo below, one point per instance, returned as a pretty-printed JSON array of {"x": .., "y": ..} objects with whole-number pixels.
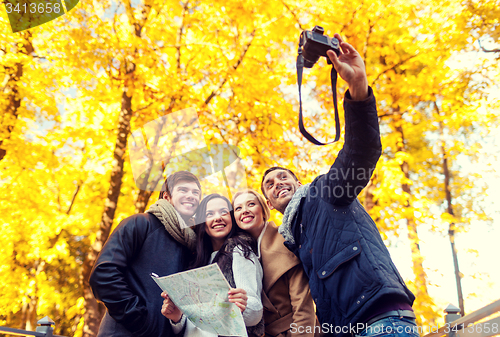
[
  {"x": 386, "y": 115},
  {"x": 78, "y": 186},
  {"x": 370, "y": 30},
  {"x": 392, "y": 68},
  {"x": 235, "y": 67},
  {"x": 293, "y": 14},
  {"x": 179, "y": 36}
]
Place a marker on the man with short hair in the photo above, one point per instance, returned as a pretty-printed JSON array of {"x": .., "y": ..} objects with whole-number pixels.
[
  {"x": 354, "y": 283},
  {"x": 158, "y": 241}
]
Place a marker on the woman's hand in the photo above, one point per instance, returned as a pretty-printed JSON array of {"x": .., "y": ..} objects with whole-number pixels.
[
  {"x": 169, "y": 309},
  {"x": 239, "y": 297}
]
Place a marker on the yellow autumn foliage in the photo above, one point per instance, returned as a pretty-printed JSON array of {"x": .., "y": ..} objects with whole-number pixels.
[{"x": 63, "y": 87}]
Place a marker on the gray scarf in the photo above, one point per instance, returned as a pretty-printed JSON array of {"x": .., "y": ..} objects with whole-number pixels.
[
  {"x": 290, "y": 211},
  {"x": 174, "y": 223}
]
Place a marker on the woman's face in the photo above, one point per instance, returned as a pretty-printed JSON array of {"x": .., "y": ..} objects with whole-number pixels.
[
  {"x": 218, "y": 222},
  {"x": 248, "y": 214}
]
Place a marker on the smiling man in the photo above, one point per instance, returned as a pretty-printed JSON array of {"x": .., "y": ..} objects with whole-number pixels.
[
  {"x": 158, "y": 241},
  {"x": 354, "y": 283}
]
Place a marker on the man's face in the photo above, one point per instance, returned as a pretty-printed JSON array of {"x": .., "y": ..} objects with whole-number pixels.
[
  {"x": 280, "y": 186},
  {"x": 186, "y": 196}
]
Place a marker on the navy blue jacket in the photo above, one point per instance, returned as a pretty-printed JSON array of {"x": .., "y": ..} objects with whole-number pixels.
[
  {"x": 139, "y": 246},
  {"x": 340, "y": 247}
]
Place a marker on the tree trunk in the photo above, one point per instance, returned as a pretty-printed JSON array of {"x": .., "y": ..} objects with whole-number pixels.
[
  {"x": 449, "y": 210},
  {"x": 93, "y": 311},
  {"x": 9, "y": 115},
  {"x": 30, "y": 309},
  {"x": 30, "y": 323},
  {"x": 422, "y": 300}
]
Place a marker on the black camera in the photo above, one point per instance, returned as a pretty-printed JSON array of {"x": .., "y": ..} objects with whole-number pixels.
[
  {"x": 316, "y": 44},
  {"x": 312, "y": 45}
]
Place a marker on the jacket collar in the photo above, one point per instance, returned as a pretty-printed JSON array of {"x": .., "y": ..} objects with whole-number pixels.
[
  {"x": 290, "y": 211},
  {"x": 276, "y": 259}
]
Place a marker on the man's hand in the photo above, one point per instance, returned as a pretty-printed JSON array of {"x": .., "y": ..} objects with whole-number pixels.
[
  {"x": 350, "y": 66},
  {"x": 169, "y": 309},
  {"x": 239, "y": 297}
]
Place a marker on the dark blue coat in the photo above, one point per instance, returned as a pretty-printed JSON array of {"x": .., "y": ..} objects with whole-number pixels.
[
  {"x": 340, "y": 247},
  {"x": 139, "y": 246}
]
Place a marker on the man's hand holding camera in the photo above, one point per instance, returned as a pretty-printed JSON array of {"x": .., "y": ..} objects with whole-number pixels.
[
  {"x": 350, "y": 66},
  {"x": 347, "y": 63}
]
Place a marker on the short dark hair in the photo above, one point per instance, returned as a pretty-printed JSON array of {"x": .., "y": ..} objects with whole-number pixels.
[
  {"x": 174, "y": 179},
  {"x": 269, "y": 171}
]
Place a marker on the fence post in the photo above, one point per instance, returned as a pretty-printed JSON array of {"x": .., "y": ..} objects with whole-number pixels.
[
  {"x": 452, "y": 314},
  {"x": 45, "y": 326}
]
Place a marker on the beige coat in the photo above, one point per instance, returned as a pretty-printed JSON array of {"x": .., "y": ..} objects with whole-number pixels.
[{"x": 286, "y": 296}]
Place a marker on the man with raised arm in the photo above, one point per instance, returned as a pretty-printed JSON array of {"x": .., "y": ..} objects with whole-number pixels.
[
  {"x": 354, "y": 283},
  {"x": 158, "y": 241}
]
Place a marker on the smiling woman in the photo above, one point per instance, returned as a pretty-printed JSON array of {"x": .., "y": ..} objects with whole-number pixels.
[
  {"x": 220, "y": 240},
  {"x": 218, "y": 223},
  {"x": 286, "y": 295}
]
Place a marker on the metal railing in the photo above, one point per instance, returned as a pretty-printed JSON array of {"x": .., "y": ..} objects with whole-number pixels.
[
  {"x": 44, "y": 329},
  {"x": 471, "y": 325}
]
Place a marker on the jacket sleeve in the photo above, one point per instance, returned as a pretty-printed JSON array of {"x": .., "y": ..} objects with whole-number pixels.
[
  {"x": 356, "y": 162},
  {"x": 248, "y": 276},
  {"x": 108, "y": 280},
  {"x": 303, "y": 313}
]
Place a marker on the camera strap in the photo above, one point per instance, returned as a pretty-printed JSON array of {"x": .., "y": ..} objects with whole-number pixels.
[{"x": 333, "y": 76}]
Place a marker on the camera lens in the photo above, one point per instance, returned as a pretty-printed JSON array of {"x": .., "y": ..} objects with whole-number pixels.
[
  {"x": 319, "y": 30},
  {"x": 309, "y": 59}
]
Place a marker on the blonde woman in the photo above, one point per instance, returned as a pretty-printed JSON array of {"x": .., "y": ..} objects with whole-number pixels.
[{"x": 287, "y": 301}]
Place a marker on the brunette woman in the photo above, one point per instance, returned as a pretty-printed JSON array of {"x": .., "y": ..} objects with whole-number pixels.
[{"x": 220, "y": 240}]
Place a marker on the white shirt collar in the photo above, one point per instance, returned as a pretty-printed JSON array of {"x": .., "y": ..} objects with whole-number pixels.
[
  {"x": 259, "y": 239},
  {"x": 212, "y": 256}
]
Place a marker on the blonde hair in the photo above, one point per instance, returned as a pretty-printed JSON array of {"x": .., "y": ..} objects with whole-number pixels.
[{"x": 260, "y": 199}]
